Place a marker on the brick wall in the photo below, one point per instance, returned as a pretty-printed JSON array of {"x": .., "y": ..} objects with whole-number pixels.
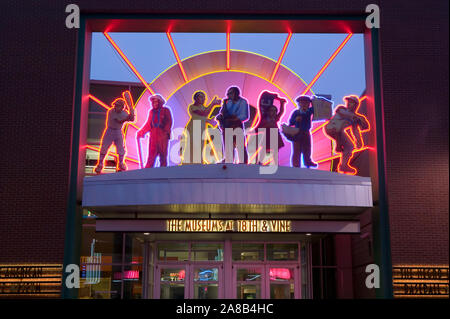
[
  {"x": 414, "y": 56},
  {"x": 37, "y": 81}
]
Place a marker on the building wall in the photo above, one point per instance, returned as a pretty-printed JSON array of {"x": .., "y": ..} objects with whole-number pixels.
[
  {"x": 415, "y": 80},
  {"x": 37, "y": 81}
]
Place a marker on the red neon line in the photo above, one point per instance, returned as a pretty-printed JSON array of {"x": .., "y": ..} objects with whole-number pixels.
[
  {"x": 228, "y": 50},
  {"x": 108, "y": 108},
  {"x": 328, "y": 159},
  {"x": 337, "y": 156},
  {"x": 135, "y": 126},
  {"x": 327, "y": 63},
  {"x": 174, "y": 49},
  {"x": 319, "y": 127},
  {"x": 129, "y": 63},
  {"x": 99, "y": 102},
  {"x": 286, "y": 43}
]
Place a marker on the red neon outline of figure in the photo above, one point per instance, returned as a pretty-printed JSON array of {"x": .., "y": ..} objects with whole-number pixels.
[
  {"x": 351, "y": 136},
  {"x": 126, "y": 109}
]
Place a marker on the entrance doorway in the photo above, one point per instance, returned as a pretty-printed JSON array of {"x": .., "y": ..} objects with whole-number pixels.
[
  {"x": 205, "y": 281},
  {"x": 230, "y": 270},
  {"x": 189, "y": 281},
  {"x": 269, "y": 281}
]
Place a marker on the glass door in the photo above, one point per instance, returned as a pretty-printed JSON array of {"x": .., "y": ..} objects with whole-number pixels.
[
  {"x": 206, "y": 281},
  {"x": 171, "y": 282},
  {"x": 248, "y": 281},
  {"x": 282, "y": 282},
  {"x": 266, "y": 281}
]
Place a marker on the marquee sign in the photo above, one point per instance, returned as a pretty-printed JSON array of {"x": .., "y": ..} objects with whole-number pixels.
[
  {"x": 229, "y": 225},
  {"x": 420, "y": 281},
  {"x": 217, "y": 225}
]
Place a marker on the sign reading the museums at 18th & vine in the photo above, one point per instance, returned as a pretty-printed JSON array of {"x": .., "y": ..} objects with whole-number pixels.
[
  {"x": 421, "y": 281},
  {"x": 30, "y": 280},
  {"x": 217, "y": 225}
]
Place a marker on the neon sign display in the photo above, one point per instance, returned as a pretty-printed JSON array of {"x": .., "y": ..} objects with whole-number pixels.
[
  {"x": 207, "y": 275},
  {"x": 127, "y": 275},
  {"x": 177, "y": 276},
  {"x": 175, "y": 93},
  {"x": 280, "y": 273}
]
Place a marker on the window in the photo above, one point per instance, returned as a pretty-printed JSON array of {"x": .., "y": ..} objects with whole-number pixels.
[
  {"x": 282, "y": 252},
  {"x": 173, "y": 252},
  {"x": 248, "y": 252},
  {"x": 324, "y": 269},
  {"x": 207, "y": 252},
  {"x": 111, "y": 266}
]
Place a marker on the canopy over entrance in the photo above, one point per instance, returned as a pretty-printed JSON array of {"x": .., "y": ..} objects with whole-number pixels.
[{"x": 223, "y": 190}]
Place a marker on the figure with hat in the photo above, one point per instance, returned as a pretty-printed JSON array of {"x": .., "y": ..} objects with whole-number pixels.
[
  {"x": 115, "y": 117},
  {"x": 232, "y": 115},
  {"x": 301, "y": 142},
  {"x": 269, "y": 118},
  {"x": 343, "y": 118},
  {"x": 159, "y": 124}
]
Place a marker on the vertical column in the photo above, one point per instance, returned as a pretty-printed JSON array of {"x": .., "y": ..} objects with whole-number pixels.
[
  {"x": 122, "y": 269},
  {"x": 80, "y": 109},
  {"x": 228, "y": 270},
  {"x": 145, "y": 265},
  {"x": 344, "y": 266}
]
